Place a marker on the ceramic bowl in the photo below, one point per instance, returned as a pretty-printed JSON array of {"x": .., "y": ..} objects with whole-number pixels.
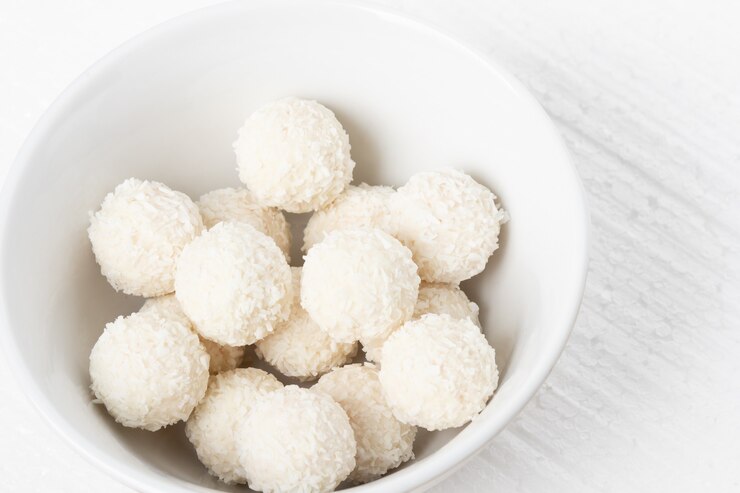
[{"x": 166, "y": 106}]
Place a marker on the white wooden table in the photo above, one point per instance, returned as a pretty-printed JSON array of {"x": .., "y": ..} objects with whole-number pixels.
[{"x": 647, "y": 394}]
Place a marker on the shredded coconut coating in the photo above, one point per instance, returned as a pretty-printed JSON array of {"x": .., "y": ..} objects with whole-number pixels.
[
  {"x": 383, "y": 442},
  {"x": 234, "y": 284},
  {"x": 138, "y": 234},
  {"x": 358, "y": 206},
  {"x": 442, "y": 299},
  {"x": 359, "y": 283},
  {"x": 222, "y": 358},
  {"x": 296, "y": 440},
  {"x": 213, "y": 426},
  {"x": 294, "y": 154},
  {"x": 450, "y": 222},
  {"x": 298, "y": 347},
  {"x": 149, "y": 371},
  {"x": 438, "y": 372},
  {"x": 232, "y": 204}
]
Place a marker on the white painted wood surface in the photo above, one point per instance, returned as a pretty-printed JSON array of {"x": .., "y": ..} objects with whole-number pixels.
[{"x": 647, "y": 95}]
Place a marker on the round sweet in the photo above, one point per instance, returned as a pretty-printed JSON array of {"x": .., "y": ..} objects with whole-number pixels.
[
  {"x": 148, "y": 370},
  {"x": 232, "y": 204},
  {"x": 373, "y": 346},
  {"x": 296, "y": 440},
  {"x": 445, "y": 299},
  {"x": 437, "y": 298},
  {"x": 438, "y": 372},
  {"x": 294, "y": 154},
  {"x": 383, "y": 442},
  {"x": 234, "y": 284},
  {"x": 138, "y": 234},
  {"x": 222, "y": 358},
  {"x": 168, "y": 307},
  {"x": 214, "y": 423},
  {"x": 298, "y": 347},
  {"x": 359, "y": 283},
  {"x": 450, "y": 222},
  {"x": 358, "y": 206}
]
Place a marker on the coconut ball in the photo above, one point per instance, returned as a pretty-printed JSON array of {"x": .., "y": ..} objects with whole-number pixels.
[
  {"x": 445, "y": 299},
  {"x": 148, "y": 370},
  {"x": 294, "y": 154},
  {"x": 383, "y": 442},
  {"x": 296, "y": 440},
  {"x": 450, "y": 222},
  {"x": 231, "y": 204},
  {"x": 438, "y": 372},
  {"x": 298, "y": 347},
  {"x": 358, "y": 206},
  {"x": 373, "y": 346},
  {"x": 214, "y": 423},
  {"x": 359, "y": 283},
  {"x": 222, "y": 358},
  {"x": 138, "y": 234},
  {"x": 437, "y": 298},
  {"x": 234, "y": 284}
]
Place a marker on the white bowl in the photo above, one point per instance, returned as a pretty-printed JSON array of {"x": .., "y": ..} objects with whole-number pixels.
[{"x": 166, "y": 106}]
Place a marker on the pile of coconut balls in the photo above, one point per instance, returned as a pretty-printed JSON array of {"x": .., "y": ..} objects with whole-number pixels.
[{"x": 381, "y": 270}]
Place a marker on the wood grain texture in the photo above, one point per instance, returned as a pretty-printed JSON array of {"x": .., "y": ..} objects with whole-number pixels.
[{"x": 646, "y": 396}]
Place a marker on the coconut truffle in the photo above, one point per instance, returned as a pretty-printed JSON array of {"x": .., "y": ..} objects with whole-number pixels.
[
  {"x": 294, "y": 154},
  {"x": 149, "y": 371},
  {"x": 358, "y": 206},
  {"x": 222, "y": 358},
  {"x": 234, "y": 284},
  {"x": 383, "y": 442},
  {"x": 450, "y": 222},
  {"x": 359, "y": 283},
  {"x": 433, "y": 298},
  {"x": 138, "y": 234},
  {"x": 438, "y": 372},
  {"x": 214, "y": 423},
  {"x": 296, "y": 440},
  {"x": 298, "y": 347},
  {"x": 373, "y": 346},
  {"x": 231, "y": 204},
  {"x": 445, "y": 299}
]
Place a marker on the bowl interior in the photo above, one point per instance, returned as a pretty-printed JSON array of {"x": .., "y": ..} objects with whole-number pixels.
[{"x": 167, "y": 105}]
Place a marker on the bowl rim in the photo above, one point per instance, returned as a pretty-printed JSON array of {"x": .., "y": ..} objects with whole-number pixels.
[{"x": 426, "y": 472}]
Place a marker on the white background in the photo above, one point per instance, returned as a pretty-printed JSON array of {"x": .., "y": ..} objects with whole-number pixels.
[{"x": 647, "y": 95}]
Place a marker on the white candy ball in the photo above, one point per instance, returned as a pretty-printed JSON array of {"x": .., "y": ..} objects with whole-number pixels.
[
  {"x": 450, "y": 222},
  {"x": 445, "y": 299},
  {"x": 296, "y": 440},
  {"x": 214, "y": 423},
  {"x": 148, "y": 370},
  {"x": 358, "y": 206},
  {"x": 222, "y": 358},
  {"x": 294, "y": 154},
  {"x": 298, "y": 347},
  {"x": 359, "y": 283},
  {"x": 138, "y": 234},
  {"x": 438, "y": 372},
  {"x": 383, "y": 442},
  {"x": 234, "y": 284},
  {"x": 232, "y": 204},
  {"x": 442, "y": 299}
]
